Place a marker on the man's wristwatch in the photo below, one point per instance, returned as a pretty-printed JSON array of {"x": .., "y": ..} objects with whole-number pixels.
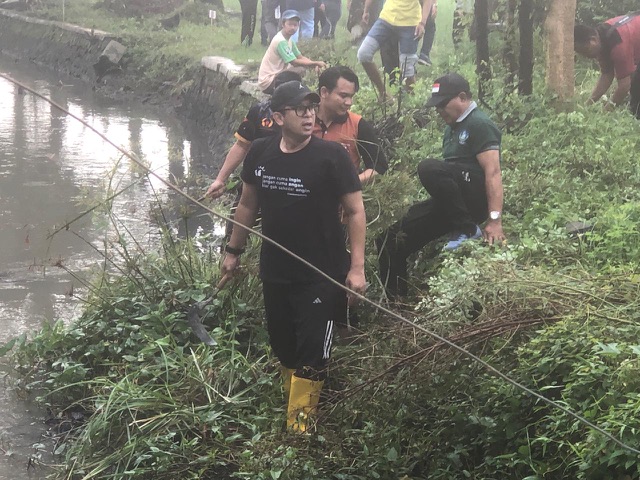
[
  {"x": 495, "y": 215},
  {"x": 234, "y": 251}
]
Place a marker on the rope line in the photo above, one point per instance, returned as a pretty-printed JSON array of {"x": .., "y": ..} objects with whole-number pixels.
[{"x": 378, "y": 306}]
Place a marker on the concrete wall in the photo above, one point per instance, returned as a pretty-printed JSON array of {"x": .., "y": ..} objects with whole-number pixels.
[
  {"x": 218, "y": 100},
  {"x": 62, "y": 47}
]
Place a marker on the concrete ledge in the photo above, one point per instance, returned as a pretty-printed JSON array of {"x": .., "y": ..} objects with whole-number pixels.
[
  {"x": 224, "y": 66},
  {"x": 89, "y": 32},
  {"x": 67, "y": 49},
  {"x": 251, "y": 87},
  {"x": 235, "y": 74}
]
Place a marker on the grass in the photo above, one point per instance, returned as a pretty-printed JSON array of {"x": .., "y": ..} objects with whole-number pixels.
[
  {"x": 195, "y": 37},
  {"x": 559, "y": 313}
]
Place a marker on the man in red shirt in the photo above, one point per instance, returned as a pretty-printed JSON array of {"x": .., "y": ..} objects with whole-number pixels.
[{"x": 615, "y": 44}]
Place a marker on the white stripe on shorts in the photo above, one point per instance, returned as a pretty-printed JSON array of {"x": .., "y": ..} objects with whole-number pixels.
[{"x": 328, "y": 337}]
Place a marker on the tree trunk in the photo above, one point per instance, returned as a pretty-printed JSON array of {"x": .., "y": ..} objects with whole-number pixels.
[
  {"x": 481, "y": 13},
  {"x": 509, "y": 54},
  {"x": 559, "y": 47},
  {"x": 525, "y": 22}
]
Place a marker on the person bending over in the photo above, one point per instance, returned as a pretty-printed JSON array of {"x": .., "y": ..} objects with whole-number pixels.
[
  {"x": 258, "y": 123},
  {"x": 615, "y": 44}
]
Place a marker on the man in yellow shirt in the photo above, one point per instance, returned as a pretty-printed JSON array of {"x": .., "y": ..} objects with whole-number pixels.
[{"x": 400, "y": 21}]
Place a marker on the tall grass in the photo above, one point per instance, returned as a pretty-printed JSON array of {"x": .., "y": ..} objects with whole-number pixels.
[{"x": 559, "y": 312}]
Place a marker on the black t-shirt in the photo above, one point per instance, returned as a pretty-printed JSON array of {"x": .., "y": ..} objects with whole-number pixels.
[
  {"x": 369, "y": 147},
  {"x": 299, "y": 195},
  {"x": 257, "y": 124}
]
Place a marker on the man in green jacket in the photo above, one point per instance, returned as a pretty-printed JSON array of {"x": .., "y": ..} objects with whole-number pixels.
[{"x": 465, "y": 188}]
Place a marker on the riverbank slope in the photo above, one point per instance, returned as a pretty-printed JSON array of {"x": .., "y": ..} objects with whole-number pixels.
[{"x": 213, "y": 92}]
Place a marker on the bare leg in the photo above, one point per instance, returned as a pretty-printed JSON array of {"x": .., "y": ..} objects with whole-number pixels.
[
  {"x": 376, "y": 79},
  {"x": 409, "y": 82}
]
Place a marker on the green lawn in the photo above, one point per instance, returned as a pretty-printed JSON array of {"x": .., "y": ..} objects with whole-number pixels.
[
  {"x": 226, "y": 38},
  {"x": 166, "y": 53}
]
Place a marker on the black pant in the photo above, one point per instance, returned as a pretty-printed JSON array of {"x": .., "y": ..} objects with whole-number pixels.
[
  {"x": 635, "y": 93},
  {"x": 390, "y": 61},
  {"x": 429, "y": 36},
  {"x": 269, "y": 22},
  {"x": 249, "y": 9},
  {"x": 458, "y": 203},
  {"x": 300, "y": 321},
  {"x": 327, "y": 21}
]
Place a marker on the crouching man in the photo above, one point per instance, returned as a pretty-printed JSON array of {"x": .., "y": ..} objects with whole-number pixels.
[{"x": 465, "y": 189}]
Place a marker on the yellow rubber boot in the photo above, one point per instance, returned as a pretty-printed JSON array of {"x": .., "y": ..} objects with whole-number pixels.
[
  {"x": 286, "y": 379},
  {"x": 303, "y": 402}
]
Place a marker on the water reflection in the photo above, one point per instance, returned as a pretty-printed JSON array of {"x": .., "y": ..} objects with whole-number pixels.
[{"x": 53, "y": 168}]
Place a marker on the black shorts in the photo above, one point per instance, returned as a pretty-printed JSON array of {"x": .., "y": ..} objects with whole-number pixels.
[{"x": 300, "y": 321}]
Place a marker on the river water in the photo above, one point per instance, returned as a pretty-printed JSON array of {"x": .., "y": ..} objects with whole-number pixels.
[{"x": 52, "y": 169}]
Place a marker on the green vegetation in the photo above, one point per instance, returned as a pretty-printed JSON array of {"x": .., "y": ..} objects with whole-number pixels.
[
  {"x": 158, "y": 56},
  {"x": 558, "y": 312},
  {"x": 600, "y": 10}
]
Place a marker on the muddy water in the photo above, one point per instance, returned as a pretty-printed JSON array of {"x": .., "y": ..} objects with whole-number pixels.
[{"x": 52, "y": 168}]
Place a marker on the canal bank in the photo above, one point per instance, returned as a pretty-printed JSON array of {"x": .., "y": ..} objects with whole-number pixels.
[
  {"x": 213, "y": 95},
  {"x": 49, "y": 162},
  {"x": 52, "y": 169}
]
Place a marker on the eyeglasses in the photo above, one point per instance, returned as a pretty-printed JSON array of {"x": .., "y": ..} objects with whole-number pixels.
[{"x": 301, "y": 110}]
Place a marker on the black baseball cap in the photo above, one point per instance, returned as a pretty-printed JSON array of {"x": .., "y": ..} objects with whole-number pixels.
[
  {"x": 291, "y": 94},
  {"x": 286, "y": 76},
  {"x": 447, "y": 87}
]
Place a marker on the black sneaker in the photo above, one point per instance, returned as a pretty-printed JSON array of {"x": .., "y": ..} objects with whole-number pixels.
[{"x": 424, "y": 60}]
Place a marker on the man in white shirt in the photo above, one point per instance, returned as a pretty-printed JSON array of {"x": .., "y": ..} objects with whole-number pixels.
[{"x": 283, "y": 54}]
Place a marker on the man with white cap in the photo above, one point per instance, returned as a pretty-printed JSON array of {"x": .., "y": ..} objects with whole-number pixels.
[
  {"x": 465, "y": 189},
  {"x": 298, "y": 182},
  {"x": 283, "y": 54}
]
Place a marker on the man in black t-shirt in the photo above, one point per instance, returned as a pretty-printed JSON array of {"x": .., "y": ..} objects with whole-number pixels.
[
  {"x": 298, "y": 182},
  {"x": 257, "y": 124}
]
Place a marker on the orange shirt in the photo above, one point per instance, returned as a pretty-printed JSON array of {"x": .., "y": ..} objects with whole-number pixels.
[{"x": 343, "y": 132}]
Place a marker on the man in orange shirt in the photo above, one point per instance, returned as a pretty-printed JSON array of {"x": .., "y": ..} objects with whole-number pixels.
[{"x": 336, "y": 122}]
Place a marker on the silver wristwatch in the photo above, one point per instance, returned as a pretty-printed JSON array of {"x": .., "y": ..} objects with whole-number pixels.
[{"x": 495, "y": 215}]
